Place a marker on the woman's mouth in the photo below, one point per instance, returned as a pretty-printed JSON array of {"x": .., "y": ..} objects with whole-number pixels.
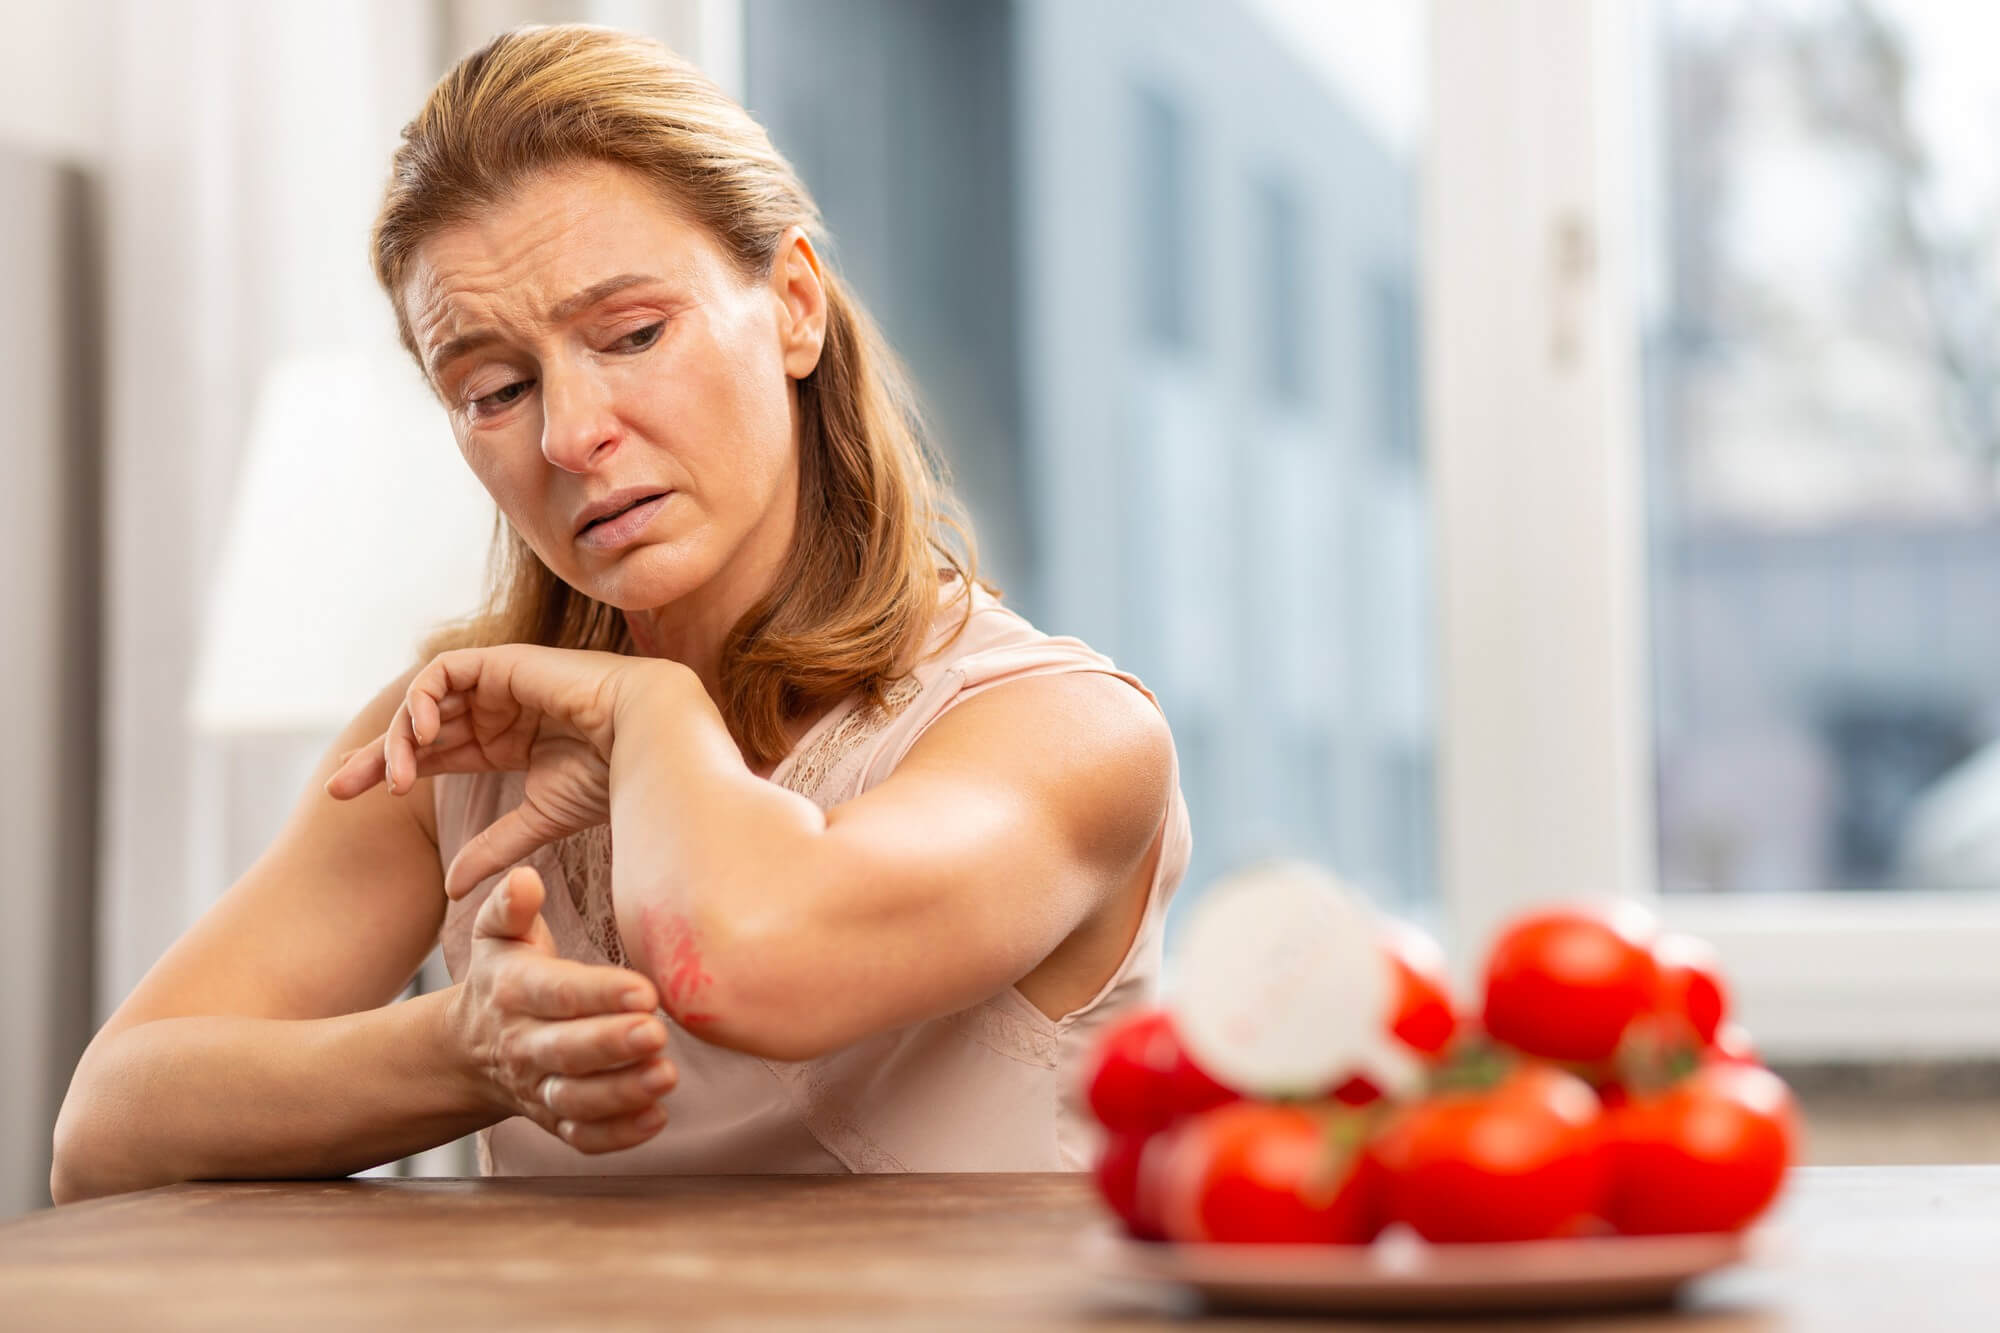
[{"x": 616, "y": 530}]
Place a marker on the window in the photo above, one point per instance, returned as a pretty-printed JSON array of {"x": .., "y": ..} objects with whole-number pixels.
[
  {"x": 1163, "y": 234},
  {"x": 1187, "y": 425},
  {"x": 1393, "y": 388},
  {"x": 1282, "y": 260},
  {"x": 1826, "y": 555},
  {"x": 1698, "y": 292}
]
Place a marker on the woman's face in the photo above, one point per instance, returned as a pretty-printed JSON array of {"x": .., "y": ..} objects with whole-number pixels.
[{"x": 591, "y": 345}]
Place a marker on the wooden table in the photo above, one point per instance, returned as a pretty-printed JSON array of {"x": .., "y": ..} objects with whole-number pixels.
[{"x": 1881, "y": 1249}]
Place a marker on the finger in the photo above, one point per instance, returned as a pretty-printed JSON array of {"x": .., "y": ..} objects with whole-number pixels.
[
  {"x": 592, "y": 1045},
  {"x": 390, "y": 773},
  {"x": 425, "y": 719},
  {"x": 566, "y": 684},
  {"x": 509, "y": 912},
  {"x": 464, "y": 757},
  {"x": 361, "y": 770},
  {"x": 601, "y": 1136},
  {"x": 501, "y": 843},
  {"x": 607, "y": 1096},
  {"x": 455, "y": 749},
  {"x": 565, "y": 988},
  {"x": 450, "y": 734},
  {"x": 403, "y": 739},
  {"x": 421, "y": 718}
]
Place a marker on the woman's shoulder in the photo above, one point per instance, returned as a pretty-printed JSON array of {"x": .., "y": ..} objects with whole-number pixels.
[
  {"x": 974, "y": 626},
  {"x": 976, "y": 642},
  {"x": 996, "y": 645}
]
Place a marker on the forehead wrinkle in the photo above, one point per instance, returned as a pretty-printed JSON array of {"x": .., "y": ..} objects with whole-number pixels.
[
  {"x": 504, "y": 242},
  {"x": 567, "y": 308}
]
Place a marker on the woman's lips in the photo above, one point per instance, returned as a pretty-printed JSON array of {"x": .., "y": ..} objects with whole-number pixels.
[{"x": 610, "y": 533}]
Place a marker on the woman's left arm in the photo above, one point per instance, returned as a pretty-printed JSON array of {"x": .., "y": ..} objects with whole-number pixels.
[{"x": 776, "y": 928}]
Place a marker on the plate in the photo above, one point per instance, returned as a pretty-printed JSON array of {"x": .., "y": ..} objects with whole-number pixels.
[{"x": 1401, "y": 1272}]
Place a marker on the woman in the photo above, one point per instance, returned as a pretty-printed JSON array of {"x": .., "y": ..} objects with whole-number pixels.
[{"x": 887, "y": 856}]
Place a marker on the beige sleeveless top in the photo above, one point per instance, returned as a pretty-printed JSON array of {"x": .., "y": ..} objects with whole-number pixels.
[{"x": 997, "y": 1087}]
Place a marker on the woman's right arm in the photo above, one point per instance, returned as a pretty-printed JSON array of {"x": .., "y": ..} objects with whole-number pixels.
[{"x": 264, "y": 1043}]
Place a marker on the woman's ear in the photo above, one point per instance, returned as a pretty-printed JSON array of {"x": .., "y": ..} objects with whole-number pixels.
[{"x": 795, "y": 281}]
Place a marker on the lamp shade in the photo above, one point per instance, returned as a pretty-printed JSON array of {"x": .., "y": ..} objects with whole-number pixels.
[{"x": 356, "y": 527}]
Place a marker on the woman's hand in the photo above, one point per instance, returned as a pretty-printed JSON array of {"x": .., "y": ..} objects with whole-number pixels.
[
  {"x": 509, "y": 708},
  {"x": 574, "y": 1047}
]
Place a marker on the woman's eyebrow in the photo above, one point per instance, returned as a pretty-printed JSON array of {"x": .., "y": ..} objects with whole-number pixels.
[
  {"x": 594, "y": 293},
  {"x": 564, "y": 309}
]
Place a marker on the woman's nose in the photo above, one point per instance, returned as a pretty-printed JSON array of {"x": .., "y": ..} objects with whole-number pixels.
[{"x": 578, "y": 425}]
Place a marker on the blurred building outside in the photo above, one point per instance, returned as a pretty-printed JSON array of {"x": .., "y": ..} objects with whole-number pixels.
[{"x": 1825, "y": 442}]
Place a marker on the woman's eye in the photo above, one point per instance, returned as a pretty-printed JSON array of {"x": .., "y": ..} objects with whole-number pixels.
[
  {"x": 502, "y": 396},
  {"x": 640, "y": 339}
]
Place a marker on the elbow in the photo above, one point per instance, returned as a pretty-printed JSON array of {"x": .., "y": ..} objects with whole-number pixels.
[
  {"x": 728, "y": 982},
  {"x": 64, "y": 1187},
  {"x": 70, "y": 1180},
  {"x": 64, "y": 1184},
  {"x": 84, "y": 1162}
]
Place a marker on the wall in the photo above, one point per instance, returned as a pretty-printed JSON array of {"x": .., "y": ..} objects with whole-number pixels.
[{"x": 52, "y": 136}]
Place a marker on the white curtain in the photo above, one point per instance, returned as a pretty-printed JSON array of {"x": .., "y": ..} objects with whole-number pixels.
[{"x": 248, "y": 145}]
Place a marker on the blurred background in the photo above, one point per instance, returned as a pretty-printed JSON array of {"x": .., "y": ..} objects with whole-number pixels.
[{"x": 1534, "y": 448}]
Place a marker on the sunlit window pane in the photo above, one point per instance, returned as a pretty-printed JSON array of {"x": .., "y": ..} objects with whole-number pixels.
[{"x": 1822, "y": 371}]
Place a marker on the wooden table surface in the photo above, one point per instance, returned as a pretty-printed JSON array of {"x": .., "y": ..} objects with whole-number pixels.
[{"x": 1881, "y": 1249}]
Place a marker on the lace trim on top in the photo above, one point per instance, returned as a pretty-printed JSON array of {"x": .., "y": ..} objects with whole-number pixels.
[
  {"x": 831, "y": 1120},
  {"x": 1007, "y": 1034},
  {"x": 810, "y": 770},
  {"x": 584, "y": 857}
]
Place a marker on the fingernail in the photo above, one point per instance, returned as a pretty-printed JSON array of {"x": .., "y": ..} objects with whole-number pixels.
[
  {"x": 637, "y": 999},
  {"x": 657, "y": 1079},
  {"x": 644, "y": 1038}
]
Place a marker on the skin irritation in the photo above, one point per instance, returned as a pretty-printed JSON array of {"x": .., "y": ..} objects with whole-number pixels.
[{"x": 675, "y": 947}]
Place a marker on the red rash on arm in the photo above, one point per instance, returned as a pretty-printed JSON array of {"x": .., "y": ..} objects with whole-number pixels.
[{"x": 672, "y": 943}]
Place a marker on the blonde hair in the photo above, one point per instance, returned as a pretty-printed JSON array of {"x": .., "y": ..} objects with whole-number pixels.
[{"x": 860, "y": 586}]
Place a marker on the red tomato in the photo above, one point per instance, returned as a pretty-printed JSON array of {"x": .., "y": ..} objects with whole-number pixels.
[
  {"x": 1265, "y": 1173},
  {"x": 1423, "y": 1018},
  {"x": 1732, "y": 1045},
  {"x": 1564, "y": 983},
  {"x": 1144, "y": 1079},
  {"x": 1521, "y": 1160},
  {"x": 1117, "y": 1177},
  {"x": 1707, "y": 1154},
  {"x": 1420, "y": 1011},
  {"x": 1691, "y": 984}
]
